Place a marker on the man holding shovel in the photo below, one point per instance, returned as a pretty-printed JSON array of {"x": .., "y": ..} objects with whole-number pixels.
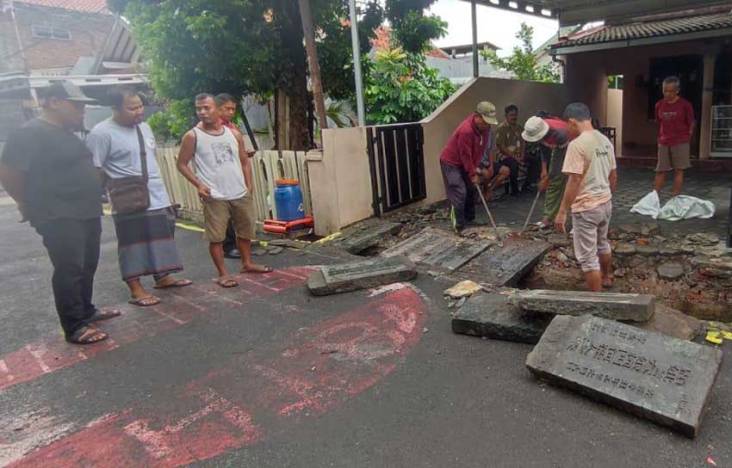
[{"x": 460, "y": 162}]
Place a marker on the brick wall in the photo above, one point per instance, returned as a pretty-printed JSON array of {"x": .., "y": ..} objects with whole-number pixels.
[{"x": 88, "y": 34}]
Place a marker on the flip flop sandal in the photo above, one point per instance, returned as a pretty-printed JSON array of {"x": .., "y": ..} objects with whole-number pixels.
[
  {"x": 226, "y": 283},
  {"x": 180, "y": 283},
  {"x": 86, "y": 336},
  {"x": 100, "y": 315},
  {"x": 146, "y": 301},
  {"x": 265, "y": 269}
]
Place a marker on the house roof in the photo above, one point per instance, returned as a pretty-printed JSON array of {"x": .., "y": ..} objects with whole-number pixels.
[
  {"x": 634, "y": 33},
  {"x": 583, "y": 11},
  {"x": 85, "y": 6}
]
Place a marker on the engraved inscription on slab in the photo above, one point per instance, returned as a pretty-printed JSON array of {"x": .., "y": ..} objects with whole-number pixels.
[{"x": 658, "y": 377}]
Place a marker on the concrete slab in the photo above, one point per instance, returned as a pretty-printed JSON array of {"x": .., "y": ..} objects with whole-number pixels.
[
  {"x": 439, "y": 249},
  {"x": 614, "y": 306},
  {"x": 366, "y": 235},
  {"x": 334, "y": 279},
  {"x": 657, "y": 377},
  {"x": 506, "y": 265},
  {"x": 493, "y": 316}
]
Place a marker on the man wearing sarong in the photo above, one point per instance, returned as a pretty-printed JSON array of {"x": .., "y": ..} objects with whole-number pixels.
[{"x": 146, "y": 244}]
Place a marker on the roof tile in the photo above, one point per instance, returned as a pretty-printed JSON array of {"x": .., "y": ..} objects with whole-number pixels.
[{"x": 641, "y": 30}]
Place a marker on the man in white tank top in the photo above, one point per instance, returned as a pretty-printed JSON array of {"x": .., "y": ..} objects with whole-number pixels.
[{"x": 223, "y": 178}]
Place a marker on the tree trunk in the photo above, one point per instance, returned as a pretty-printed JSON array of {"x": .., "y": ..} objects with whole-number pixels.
[
  {"x": 294, "y": 76},
  {"x": 312, "y": 54}
]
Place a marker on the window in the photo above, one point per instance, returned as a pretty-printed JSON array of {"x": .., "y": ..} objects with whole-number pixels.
[{"x": 50, "y": 32}]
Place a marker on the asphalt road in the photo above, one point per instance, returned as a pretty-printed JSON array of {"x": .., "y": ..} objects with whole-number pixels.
[{"x": 267, "y": 376}]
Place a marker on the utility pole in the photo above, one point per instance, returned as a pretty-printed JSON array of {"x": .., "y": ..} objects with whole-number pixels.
[
  {"x": 357, "y": 65},
  {"x": 312, "y": 53}
]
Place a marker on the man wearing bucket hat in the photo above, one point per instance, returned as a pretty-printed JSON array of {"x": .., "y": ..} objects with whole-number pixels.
[
  {"x": 50, "y": 174},
  {"x": 460, "y": 162},
  {"x": 550, "y": 132}
]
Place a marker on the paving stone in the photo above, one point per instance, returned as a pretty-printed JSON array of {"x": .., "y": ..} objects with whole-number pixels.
[
  {"x": 703, "y": 238},
  {"x": 646, "y": 250},
  {"x": 674, "y": 323},
  {"x": 615, "y": 306},
  {"x": 492, "y": 316},
  {"x": 623, "y": 248},
  {"x": 669, "y": 251},
  {"x": 559, "y": 240},
  {"x": 438, "y": 248},
  {"x": 654, "y": 376},
  {"x": 333, "y": 279},
  {"x": 670, "y": 270},
  {"x": 366, "y": 235},
  {"x": 506, "y": 265}
]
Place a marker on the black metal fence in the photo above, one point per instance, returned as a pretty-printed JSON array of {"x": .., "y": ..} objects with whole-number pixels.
[{"x": 396, "y": 160}]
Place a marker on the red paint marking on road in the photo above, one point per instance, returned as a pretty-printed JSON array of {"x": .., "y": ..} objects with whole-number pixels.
[
  {"x": 133, "y": 438},
  {"x": 322, "y": 368},
  {"x": 177, "y": 309}
]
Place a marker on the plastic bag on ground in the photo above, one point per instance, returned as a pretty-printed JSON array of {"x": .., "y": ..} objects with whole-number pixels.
[
  {"x": 686, "y": 207},
  {"x": 650, "y": 205}
]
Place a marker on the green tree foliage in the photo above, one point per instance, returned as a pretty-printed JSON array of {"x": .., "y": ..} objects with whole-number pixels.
[
  {"x": 402, "y": 88},
  {"x": 245, "y": 47},
  {"x": 523, "y": 62},
  {"x": 413, "y": 29}
]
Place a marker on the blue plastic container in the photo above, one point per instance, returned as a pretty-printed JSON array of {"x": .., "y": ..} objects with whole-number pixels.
[{"x": 288, "y": 200}]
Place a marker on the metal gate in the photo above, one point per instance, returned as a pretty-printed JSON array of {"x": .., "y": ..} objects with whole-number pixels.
[{"x": 396, "y": 161}]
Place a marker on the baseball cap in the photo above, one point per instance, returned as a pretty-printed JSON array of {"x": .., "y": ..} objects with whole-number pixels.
[
  {"x": 67, "y": 91},
  {"x": 487, "y": 110},
  {"x": 535, "y": 129}
]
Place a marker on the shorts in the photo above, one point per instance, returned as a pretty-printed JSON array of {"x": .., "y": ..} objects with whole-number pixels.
[
  {"x": 673, "y": 157},
  {"x": 218, "y": 213},
  {"x": 589, "y": 235}
]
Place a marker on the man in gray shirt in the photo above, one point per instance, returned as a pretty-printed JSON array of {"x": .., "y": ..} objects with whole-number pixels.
[{"x": 146, "y": 243}]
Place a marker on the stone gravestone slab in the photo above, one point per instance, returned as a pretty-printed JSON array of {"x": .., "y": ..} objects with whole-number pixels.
[
  {"x": 368, "y": 235},
  {"x": 493, "y": 316},
  {"x": 333, "y": 279},
  {"x": 615, "y": 306},
  {"x": 506, "y": 265},
  {"x": 654, "y": 376},
  {"x": 439, "y": 249}
]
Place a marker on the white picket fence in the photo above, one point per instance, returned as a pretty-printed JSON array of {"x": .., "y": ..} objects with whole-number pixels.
[{"x": 267, "y": 166}]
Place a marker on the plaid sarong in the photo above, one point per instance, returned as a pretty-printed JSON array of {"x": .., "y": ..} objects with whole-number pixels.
[{"x": 146, "y": 244}]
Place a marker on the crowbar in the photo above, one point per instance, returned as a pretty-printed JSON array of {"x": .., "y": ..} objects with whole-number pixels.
[
  {"x": 531, "y": 211},
  {"x": 490, "y": 216}
]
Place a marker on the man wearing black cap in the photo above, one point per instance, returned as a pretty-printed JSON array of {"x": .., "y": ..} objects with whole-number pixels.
[{"x": 49, "y": 172}]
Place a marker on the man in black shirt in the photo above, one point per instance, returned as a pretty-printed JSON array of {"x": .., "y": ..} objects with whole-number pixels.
[{"x": 49, "y": 172}]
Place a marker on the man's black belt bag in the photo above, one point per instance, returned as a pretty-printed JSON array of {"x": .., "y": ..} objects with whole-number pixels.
[{"x": 130, "y": 194}]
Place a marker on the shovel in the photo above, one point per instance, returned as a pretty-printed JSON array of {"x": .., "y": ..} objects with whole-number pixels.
[
  {"x": 531, "y": 211},
  {"x": 490, "y": 216}
]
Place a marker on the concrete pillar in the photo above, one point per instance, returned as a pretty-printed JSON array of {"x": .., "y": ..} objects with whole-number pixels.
[
  {"x": 705, "y": 119},
  {"x": 474, "y": 22}
]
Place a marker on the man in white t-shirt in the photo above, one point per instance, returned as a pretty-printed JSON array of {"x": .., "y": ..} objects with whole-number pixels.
[
  {"x": 145, "y": 239},
  {"x": 592, "y": 177},
  {"x": 223, "y": 178}
]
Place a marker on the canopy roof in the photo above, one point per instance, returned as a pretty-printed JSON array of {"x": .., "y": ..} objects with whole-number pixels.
[{"x": 570, "y": 12}]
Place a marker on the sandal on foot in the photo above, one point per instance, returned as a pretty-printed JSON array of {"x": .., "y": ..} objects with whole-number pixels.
[
  {"x": 257, "y": 269},
  {"x": 179, "y": 283},
  {"x": 100, "y": 315},
  {"x": 226, "y": 282},
  {"x": 87, "y": 335},
  {"x": 146, "y": 301}
]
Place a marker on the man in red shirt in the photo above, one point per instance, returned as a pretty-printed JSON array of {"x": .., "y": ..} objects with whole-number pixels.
[
  {"x": 460, "y": 162},
  {"x": 676, "y": 123}
]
